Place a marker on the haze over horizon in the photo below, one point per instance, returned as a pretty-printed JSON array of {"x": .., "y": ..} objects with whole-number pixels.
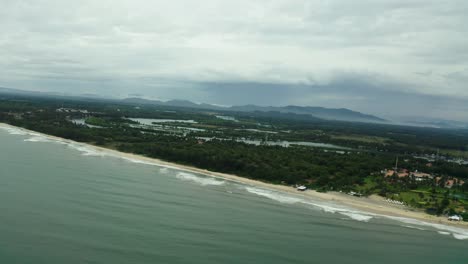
[{"x": 388, "y": 58}]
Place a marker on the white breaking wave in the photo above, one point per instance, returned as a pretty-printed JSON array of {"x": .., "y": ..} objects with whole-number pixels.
[
  {"x": 138, "y": 161},
  {"x": 290, "y": 199},
  {"x": 414, "y": 227},
  {"x": 456, "y": 232},
  {"x": 14, "y": 131},
  {"x": 327, "y": 208},
  {"x": 353, "y": 214},
  {"x": 86, "y": 150},
  {"x": 200, "y": 180},
  {"x": 460, "y": 236},
  {"x": 277, "y": 196},
  {"x": 37, "y": 139},
  {"x": 358, "y": 217}
]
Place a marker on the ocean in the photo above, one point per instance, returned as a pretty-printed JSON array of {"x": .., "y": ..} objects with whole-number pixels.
[{"x": 64, "y": 202}]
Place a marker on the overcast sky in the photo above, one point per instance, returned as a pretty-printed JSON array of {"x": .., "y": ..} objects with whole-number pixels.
[{"x": 385, "y": 57}]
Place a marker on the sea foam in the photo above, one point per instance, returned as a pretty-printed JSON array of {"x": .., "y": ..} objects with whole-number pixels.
[
  {"x": 460, "y": 236},
  {"x": 358, "y": 217},
  {"x": 277, "y": 196},
  {"x": 86, "y": 150},
  {"x": 444, "y": 233},
  {"x": 138, "y": 161},
  {"x": 37, "y": 139},
  {"x": 291, "y": 199},
  {"x": 414, "y": 227},
  {"x": 14, "y": 130},
  {"x": 199, "y": 180},
  {"x": 456, "y": 232}
]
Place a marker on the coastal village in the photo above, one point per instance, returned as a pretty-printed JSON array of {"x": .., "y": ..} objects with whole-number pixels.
[
  {"x": 446, "y": 182},
  {"x": 422, "y": 180}
]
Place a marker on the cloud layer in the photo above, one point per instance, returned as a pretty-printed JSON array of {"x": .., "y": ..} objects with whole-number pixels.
[{"x": 339, "y": 53}]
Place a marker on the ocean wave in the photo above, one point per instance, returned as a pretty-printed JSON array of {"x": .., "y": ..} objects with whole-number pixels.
[
  {"x": 353, "y": 214},
  {"x": 87, "y": 150},
  {"x": 139, "y": 161},
  {"x": 444, "y": 233},
  {"x": 200, "y": 180},
  {"x": 357, "y": 216},
  {"x": 14, "y": 130},
  {"x": 456, "y": 232},
  {"x": 37, "y": 139},
  {"x": 290, "y": 199},
  {"x": 277, "y": 196},
  {"x": 414, "y": 227},
  {"x": 163, "y": 167},
  {"x": 326, "y": 207},
  {"x": 460, "y": 236}
]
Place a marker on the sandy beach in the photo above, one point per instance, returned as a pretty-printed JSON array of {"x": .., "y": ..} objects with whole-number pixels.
[{"x": 373, "y": 204}]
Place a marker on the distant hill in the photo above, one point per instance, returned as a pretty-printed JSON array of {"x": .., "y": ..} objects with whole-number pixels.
[
  {"x": 4, "y": 90},
  {"x": 135, "y": 100},
  {"x": 14, "y": 91},
  {"x": 430, "y": 122},
  {"x": 341, "y": 114},
  {"x": 176, "y": 103}
]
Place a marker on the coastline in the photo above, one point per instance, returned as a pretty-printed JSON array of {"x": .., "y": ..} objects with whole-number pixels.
[{"x": 373, "y": 205}]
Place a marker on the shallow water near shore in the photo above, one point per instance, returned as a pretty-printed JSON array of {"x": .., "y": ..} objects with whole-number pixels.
[{"x": 68, "y": 203}]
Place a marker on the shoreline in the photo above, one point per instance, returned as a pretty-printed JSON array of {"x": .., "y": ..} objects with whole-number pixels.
[{"x": 372, "y": 205}]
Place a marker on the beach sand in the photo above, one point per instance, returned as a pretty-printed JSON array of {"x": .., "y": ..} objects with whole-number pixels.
[{"x": 373, "y": 204}]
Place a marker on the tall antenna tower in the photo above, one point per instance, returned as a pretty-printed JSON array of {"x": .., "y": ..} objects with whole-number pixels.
[{"x": 396, "y": 164}]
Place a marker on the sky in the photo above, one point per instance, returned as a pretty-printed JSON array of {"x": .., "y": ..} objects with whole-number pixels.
[{"x": 383, "y": 57}]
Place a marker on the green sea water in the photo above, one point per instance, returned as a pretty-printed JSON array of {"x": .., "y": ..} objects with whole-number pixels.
[{"x": 67, "y": 203}]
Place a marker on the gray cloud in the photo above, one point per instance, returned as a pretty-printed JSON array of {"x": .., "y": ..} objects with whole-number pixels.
[
  {"x": 353, "y": 93},
  {"x": 355, "y": 54}
]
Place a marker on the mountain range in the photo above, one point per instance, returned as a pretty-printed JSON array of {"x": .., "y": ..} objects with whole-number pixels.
[{"x": 340, "y": 114}]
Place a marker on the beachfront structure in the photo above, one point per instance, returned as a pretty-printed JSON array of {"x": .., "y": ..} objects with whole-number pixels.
[
  {"x": 355, "y": 194},
  {"x": 449, "y": 183},
  {"x": 455, "y": 218},
  {"x": 421, "y": 176},
  {"x": 301, "y": 188},
  {"x": 403, "y": 173}
]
